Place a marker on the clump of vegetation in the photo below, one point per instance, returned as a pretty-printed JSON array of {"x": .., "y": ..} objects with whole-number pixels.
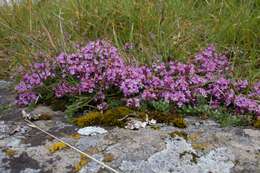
[
  {"x": 118, "y": 116},
  {"x": 57, "y": 146},
  {"x": 161, "y": 106},
  {"x": 96, "y": 75},
  {"x": 111, "y": 117},
  {"x": 182, "y": 134},
  {"x": 92, "y": 76},
  {"x": 221, "y": 114}
]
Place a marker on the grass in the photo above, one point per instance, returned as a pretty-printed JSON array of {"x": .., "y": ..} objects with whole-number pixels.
[{"x": 164, "y": 30}]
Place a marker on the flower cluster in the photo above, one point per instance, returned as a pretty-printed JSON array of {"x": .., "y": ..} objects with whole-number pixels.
[
  {"x": 99, "y": 67},
  {"x": 39, "y": 73}
]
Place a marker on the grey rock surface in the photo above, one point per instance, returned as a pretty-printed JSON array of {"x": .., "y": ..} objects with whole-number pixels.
[{"x": 208, "y": 148}]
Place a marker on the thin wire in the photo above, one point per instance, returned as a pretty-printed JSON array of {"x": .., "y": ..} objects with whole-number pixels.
[{"x": 31, "y": 124}]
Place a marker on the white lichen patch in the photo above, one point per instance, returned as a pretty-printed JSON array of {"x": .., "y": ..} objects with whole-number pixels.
[{"x": 180, "y": 157}]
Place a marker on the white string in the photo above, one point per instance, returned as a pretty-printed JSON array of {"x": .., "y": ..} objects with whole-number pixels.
[{"x": 31, "y": 124}]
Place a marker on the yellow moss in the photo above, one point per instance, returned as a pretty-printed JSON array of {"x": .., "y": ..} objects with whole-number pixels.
[
  {"x": 9, "y": 152},
  {"x": 180, "y": 134},
  {"x": 91, "y": 118},
  {"x": 111, "y": 117},
  {"x": 257, "y": 123},
  {"x": 82, "y": 162},
  {"x": 108, "y": 157},
  {"x": 75, "y": 136},
  {"x": 57, "y": 146},
  {"x": 117, "y": 117}
]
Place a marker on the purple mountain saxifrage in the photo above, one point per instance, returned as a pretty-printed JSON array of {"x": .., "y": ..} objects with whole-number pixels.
[{"x": 99, "y": 67}]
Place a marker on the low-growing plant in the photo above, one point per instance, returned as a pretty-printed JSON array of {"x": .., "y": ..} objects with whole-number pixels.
[
  {"x": 220, "y": 114},
  {"x": 161, "y": 106},
  {"x": 95, "y": 76}
]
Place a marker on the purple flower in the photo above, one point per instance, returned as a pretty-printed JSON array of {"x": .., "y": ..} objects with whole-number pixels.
[
  {"x": 98, "y": 69},
  {"x": 241, "y": 84},
  {"x": 133, "y": 102},
  {"x": 26, "y": 98},
  {"x": 102, "y": 106}
]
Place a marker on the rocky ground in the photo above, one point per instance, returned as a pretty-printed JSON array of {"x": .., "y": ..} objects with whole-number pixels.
[{"x": 202, "y": 147}]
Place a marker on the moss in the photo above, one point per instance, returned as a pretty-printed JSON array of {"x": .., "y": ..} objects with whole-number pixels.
[
  {"x": 108, "y": 157},
  {"x": 111, "y": 117},
  {"x": 180, "y": 134},
  {"x": 57, "y": 146},
  {"x": 91, "y": 118},
  {"x": 257, "y": 123},
  {"x": 117, "y": 117},
  {"x": 9, "y": 152},
  {"x": 82, "y": 162}
]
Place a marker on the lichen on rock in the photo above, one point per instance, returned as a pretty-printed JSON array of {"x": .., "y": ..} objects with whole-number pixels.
[
  {"x": 57, "y": 146},
  {"x": 82, "y": 162},
  {"x": 9, "y": 152}
]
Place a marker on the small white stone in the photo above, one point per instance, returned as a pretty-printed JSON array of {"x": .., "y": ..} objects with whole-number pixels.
[{"x": 91, "y": 130}]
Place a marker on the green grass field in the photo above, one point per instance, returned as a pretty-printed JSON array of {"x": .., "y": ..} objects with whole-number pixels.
[{"x": 164, "y": 29}]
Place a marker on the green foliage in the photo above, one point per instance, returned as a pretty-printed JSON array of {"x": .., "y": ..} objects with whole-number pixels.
[
  {"x": 221, "y": 115},
  {"x": 77, "y": 105},
  {"x": 114, "y": 102},
  {"x": 161, "y": 106},
  {"x": 169, "y": 29}
]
